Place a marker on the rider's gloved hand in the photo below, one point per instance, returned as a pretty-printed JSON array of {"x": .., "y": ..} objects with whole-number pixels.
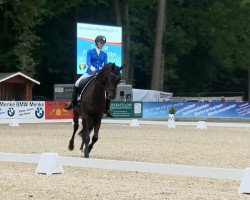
[{"x": 92, "y": 68}]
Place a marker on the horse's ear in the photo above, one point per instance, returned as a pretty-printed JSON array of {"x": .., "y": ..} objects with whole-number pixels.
[{"x": 122, "y": 67}]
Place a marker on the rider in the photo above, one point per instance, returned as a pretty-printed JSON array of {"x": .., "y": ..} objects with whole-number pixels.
[{"x": 96, "y": 59}]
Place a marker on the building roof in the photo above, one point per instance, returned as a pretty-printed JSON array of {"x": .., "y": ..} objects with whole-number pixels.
[{"x": 6, "y": 76}]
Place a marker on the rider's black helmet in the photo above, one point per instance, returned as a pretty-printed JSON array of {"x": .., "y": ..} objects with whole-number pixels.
[{"x": 100, "y": 38}]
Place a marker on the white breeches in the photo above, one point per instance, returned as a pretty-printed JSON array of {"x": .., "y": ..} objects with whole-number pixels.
[{"x": 81, "y": 78}]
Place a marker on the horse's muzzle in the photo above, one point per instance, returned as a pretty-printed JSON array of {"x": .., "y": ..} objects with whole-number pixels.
[
  {"x": 111, "y": 94},
  {"x": 111, "y": 97}
]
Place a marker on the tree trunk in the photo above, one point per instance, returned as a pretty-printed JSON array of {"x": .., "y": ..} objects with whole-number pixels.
[
  {"x": 249, "y": 84},
  {"x": 157, "y": 75},
  {"x": 24, "y": 65},
  {"x": 118, "y": 13},
  {"x": 122, "y": 18},
  {"x": 126, "y": 45},
  {"x": 162, "y": 70}
]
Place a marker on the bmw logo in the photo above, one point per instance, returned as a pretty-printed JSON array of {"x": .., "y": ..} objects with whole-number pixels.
[
  {"x": 11, "y": 112},
  {"x": 39, "y": 112}
]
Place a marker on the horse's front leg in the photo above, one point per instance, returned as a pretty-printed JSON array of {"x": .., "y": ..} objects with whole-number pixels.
[
  {"x": 85, "y": 139},
  {"x": 76, "y": 126},
  {"x": 95, "y": 136}
]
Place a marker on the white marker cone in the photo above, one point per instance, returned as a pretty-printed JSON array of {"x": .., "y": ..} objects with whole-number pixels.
[
  {"x": 245, "y": 182},
  {"x": 48, "y": 164},
  {"x": 134, "y": 123},
  {"x": 201, "y": 125},
  {"x": 171, "y": 121},
  {"x": 14, "y": 122}
]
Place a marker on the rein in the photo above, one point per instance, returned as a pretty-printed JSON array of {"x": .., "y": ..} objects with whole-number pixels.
[{"x": 116, "y": 76}]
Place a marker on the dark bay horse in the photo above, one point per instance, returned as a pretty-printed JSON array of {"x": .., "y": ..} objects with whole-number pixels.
[{"x": 92, "y": 105}]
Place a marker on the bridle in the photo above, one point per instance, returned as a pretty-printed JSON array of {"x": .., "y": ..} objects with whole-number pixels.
[{"x": 105, "y": 83}]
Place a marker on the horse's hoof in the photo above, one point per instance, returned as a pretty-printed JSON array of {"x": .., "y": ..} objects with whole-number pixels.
[
  {"x": 86, "y": 156},
  {"x": 71, "y": 147},
  {"x": 86, "y": 153}
]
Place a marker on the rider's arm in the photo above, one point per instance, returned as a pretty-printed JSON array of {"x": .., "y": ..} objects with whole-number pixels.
[
  {"x": 105, "y": 59},
  {"x": 89, "y": 55}
]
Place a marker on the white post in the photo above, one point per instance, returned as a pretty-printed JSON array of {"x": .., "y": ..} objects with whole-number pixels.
[
  {"x": 48, "y": 164},
  {"x": 201, "y": 125},
  {"x": 245, "y": 182},
  {"x": 171, "y": 121},
  {"x": 134, "y": 123},
  {"x": 14, "y": 122}
]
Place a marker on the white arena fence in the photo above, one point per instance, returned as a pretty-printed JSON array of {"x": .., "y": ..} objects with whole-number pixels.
[
  {"x": 50, "y": 163},
  {"x": 128, "y": 121},
  {"x": 180, "y": 170}
]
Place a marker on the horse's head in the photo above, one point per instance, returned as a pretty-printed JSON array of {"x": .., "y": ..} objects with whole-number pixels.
[{"x": 110, "y": 76}]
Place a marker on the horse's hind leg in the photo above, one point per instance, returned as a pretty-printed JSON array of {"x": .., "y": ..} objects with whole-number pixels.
[
  {"x": 81, "y": 147},
  {"x": 76, "y": 126},
  {"x": 95, "y": 136}
]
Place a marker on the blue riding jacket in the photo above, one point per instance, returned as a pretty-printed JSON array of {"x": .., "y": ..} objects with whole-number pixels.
[{"x": 96, "y": 61}]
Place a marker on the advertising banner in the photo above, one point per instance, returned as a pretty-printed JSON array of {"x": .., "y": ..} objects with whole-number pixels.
[
  {"x": 55, "y": 110},
  {"x": 86, "y": 34},
  {"x": 126, "y": 109},
  {"x": 63, "y": 92},
  {"x": 197, "y": 109},
  {"x": 22, "y": 110},
  {"x": 155, "y": 110}
]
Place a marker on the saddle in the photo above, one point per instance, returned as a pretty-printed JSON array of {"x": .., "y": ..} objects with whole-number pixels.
[{"x": 83, "y": 85}]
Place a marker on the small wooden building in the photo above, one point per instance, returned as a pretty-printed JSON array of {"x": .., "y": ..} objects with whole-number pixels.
[{"x": 16, "y": 86}]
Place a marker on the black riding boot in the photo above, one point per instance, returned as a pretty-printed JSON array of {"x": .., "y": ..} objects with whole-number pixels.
[
  {"x": 107, "y": 109},
  {"x": 73, "y": 103}
]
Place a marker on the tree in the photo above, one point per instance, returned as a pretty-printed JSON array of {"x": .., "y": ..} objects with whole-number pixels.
[
  {"x": 210, "y": 40},
  {"x": 122, "y": 18},
  {"x": 228, "y": 34},
  {"x": 26, "y": 15},
  {"x": 158, "y": 65},
  {"x": 207, "y": 41}
]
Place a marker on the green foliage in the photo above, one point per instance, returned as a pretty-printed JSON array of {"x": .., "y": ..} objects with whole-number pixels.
[
  {"x": 1, "y": 2},
  {"x": 227, "y": 31},
  {"x": 206, "y": 42},
  {"x": 142, "y": 39},
  {"x": 216, "y": 34},
  {"x": 21, "y": 18},
  {"x": 172, "y": 110}
]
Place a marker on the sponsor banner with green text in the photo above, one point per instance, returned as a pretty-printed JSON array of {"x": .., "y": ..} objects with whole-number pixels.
[{"x": 124, "y": 109}]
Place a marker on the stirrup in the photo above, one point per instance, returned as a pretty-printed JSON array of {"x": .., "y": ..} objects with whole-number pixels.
[
  {"x": 110, "y": 114},
  {"x": 68, "y": 106}
]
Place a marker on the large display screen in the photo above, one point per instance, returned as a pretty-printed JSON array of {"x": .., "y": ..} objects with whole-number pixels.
[{"x": 86, "y": 34}]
